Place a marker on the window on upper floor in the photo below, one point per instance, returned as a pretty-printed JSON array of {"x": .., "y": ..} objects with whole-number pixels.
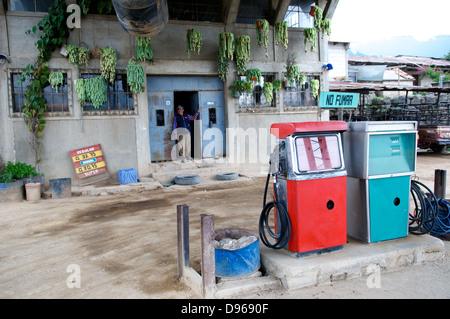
[
  {"x": 120, "y": 99},
  {"x": 297, "y": 15},
  {"x": 195, "y": 10},
  {"x": 29, "y": 5},
  {"x": 257, "y": 98},
  {"x": 58, "y": 101},
  {"x": 300, "y": 94},
  {"x": 252, "y": 10}
]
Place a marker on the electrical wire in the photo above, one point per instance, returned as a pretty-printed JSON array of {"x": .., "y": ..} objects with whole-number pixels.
[{"x": 283, "y": 221}]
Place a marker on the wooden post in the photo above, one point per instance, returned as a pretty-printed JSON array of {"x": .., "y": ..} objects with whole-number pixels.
[
  {"x": 183, "y": 238},
  {"x": 208, "y": 256}
]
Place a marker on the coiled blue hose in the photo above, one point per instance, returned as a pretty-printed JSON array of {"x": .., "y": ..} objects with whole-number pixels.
[
  {"x": 442, "y": 221},
  {"x": 422, "y": 219},
  {"x": 430, "y": 215}
]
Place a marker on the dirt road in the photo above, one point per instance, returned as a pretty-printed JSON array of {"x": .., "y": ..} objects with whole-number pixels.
[{"x": 124, "y": 246}]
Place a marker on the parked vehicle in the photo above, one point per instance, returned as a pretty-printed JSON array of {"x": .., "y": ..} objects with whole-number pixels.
[{"x": 435, "y": 137}]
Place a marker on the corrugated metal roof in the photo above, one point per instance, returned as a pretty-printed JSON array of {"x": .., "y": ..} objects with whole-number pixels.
[
  {"x": 408, "y": 60},
  {"x": 338, "y": 86}
]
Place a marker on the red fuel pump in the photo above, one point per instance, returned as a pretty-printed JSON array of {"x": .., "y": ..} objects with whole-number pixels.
[{"x": 310, "y": 189}]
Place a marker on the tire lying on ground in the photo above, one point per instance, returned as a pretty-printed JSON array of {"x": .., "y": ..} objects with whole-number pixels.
[
  {"x": 187, "y": 179},
  {"x": 227, "y": 176}
]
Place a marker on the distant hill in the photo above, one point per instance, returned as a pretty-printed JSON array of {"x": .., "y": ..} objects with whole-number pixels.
[{"x": 437, "y": 47}]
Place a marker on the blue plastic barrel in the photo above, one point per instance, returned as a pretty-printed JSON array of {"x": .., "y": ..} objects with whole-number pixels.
[{"x": 240, "y": 262}]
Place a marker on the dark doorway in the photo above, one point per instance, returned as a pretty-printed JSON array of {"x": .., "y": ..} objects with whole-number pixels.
[{"x": 189, "y": 101}]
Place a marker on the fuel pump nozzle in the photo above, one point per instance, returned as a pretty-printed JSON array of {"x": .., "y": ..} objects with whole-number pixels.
[{"x": 283, "y": 231}]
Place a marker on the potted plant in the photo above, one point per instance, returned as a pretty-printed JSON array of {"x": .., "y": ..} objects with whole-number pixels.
[
  {"x": 253, "y": 75},
  {"x": 237, "y": 88},
  {"x": 78, "y": 55},
  {"x": 144, "y": 50},
  {"x": 292, "y": 70},
  {"x": 13, "y": 177},
  {"x": 56, "y": 79},
  {"x": 281, "y": 33},
  {"x": 108, "y": 60},
  {"x": 325, "y": 27},
  {"x": 315, "y": 86},
  {"x": 262, "y": 33},
  {"x": 92, "y": 90},
  {"x": 317, "y": 13},
  {"x": 242, "y": 53},
  {"x": 225, "y": 54},
  {"x": 276, "y": 85},
  {"x": 240, "y": 86},
  {"x": 310, "y": 35},
  {"x": 268, "y": 92},
  {"x": 194, "y": 41},
  {"x": 135, "y": 77}
]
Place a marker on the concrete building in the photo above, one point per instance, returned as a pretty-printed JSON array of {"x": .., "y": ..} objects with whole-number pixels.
[{"x": 135, "y": 130}]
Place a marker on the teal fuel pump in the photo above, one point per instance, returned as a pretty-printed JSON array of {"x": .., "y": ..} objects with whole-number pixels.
[{"x": 380, "y": 159}]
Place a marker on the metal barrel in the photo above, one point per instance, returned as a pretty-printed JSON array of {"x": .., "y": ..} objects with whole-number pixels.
[{"x": 142, "y": 18}]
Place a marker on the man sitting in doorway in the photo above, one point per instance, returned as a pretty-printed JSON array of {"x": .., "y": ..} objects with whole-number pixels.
[{"x": 182, "y": 129}]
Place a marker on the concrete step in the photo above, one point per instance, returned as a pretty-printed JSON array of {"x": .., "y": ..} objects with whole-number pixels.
[
  {"x": 241, "y": 287},
  {"x": 355, "y": 260},
  {"x": 167, "y": 172}
]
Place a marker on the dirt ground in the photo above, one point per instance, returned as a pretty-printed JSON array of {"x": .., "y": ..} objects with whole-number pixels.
[{"x": 124, "y": 245}]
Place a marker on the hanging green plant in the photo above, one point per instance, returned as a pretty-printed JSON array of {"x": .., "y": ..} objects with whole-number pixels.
[
  {"x": 302, "y": 79},
  {"x": 325, "y": 26},
  {"x": 225, "y": 54},
  {"x": 310, "y": 35},
  {"x": 56, "y": 79},
  {"x": 194, "y": 41},
  {"x": 276, "y": 85},
  {"x": 222, "y": 67},
  {"x": 78, "y": 55},
  {"x": 108, "y": 60},
  {"x": 84, "y": 5},
  {"x": 135, "y": 77},
  {"x": 262, "y": 33},
  {"x": 292, "y": 73},
  {"x": 54, "y": 30},
  {"x": 144, "y": 50},
  {"x": 315, "y": 86},
  {"x": 81, "y": 91},
  {"x": 268, "y": 92},
  {"x": 240, "y": 86},
  {"x": 226, "y": 46},
  {"x": 242, "y": 53},
  {"x": 253, "y": 75},
  {"x": 237, "y": 88},
  {"x": 35, "y": 105},
  {"x": 92, "y": 90},
  {"x": 281, "y": 33},
  {"x": 318, "y": 14}
]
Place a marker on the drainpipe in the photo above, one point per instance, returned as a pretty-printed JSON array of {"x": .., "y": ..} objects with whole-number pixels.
[{"x": 142, "y": 18}]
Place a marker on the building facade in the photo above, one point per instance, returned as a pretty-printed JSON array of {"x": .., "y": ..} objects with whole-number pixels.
[{"x": 135, "y": 130}]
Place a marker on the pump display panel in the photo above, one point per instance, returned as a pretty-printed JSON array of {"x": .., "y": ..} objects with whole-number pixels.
[{"x": 318, "y": 153}]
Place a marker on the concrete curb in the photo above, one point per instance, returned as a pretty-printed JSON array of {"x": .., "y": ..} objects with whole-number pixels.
[{"x": 355, "y": 260}]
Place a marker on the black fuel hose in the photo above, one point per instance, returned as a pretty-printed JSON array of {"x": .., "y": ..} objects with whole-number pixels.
[
  {"x": 423, "y": 217},
  {"x": 284, "y": 222}
]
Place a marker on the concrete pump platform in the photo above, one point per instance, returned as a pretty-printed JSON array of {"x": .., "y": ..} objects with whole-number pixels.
[{"x": 355, "y": 260}]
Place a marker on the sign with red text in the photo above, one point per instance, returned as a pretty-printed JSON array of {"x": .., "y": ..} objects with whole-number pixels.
[{"x": 88, "y": 161}]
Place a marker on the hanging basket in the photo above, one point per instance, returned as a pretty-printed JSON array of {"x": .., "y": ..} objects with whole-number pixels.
[
  {"x": 312, "y": 11},
  {"x": 259, "y": 24}
]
